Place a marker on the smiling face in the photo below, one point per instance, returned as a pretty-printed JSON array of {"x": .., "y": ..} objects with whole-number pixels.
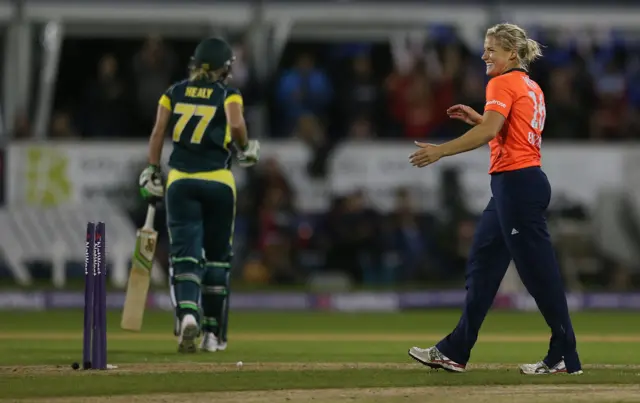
[{"x": 497, "y": 58}]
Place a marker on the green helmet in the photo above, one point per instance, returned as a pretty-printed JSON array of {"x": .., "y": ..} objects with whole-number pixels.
[{"x": 213, "y": 54}]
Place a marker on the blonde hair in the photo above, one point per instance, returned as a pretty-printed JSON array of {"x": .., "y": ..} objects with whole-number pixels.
[
  {"x": 512, "y": 37},
  {"x": 202, "y": 74}
]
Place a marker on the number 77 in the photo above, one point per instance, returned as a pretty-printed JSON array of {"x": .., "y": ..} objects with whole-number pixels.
[{"x": 186, "y": 112}]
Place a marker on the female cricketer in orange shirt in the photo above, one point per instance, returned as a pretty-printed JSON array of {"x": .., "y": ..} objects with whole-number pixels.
[{"x": 513, "y": 225}]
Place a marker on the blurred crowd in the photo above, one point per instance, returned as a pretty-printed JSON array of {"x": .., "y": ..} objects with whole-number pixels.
[
  {"x": 323, "y": 93},
  {"x": 370, "y": 246}
]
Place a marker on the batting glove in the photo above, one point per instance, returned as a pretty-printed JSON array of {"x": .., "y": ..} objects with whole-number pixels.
[
  {"x": 150, "y": 182},
  {"x": 250, "y": 155}
]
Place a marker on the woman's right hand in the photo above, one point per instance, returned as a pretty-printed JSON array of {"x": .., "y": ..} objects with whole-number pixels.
[{"x": 464, "y": 113}]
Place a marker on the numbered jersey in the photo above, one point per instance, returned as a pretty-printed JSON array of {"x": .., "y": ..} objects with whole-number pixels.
[
  {"x": 520, "y": 100},
  {"x": 198, "y": 126}
]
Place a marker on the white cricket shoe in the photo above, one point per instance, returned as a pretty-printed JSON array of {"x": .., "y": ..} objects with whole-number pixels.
[
  {"x": 540, "y": 368},
  {"x": 211, "y": 343},
  {"x": 433, "y": 358},
  {"x": 188, "y": 333}
]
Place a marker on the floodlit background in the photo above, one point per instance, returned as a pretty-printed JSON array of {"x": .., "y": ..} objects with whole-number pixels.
[{"x": 337, "y": 92}]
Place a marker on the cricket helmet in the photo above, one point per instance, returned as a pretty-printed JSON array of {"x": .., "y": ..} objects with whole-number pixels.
[{"x": 213, "y": 54}]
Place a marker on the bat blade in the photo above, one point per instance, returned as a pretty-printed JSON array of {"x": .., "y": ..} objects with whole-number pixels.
[{"x": 139, "y": 280}]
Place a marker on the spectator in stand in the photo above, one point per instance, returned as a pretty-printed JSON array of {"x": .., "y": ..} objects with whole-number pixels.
[
  {"x": 361, "y": 129},
  {"x": 566, "y": 118},
  {"x": 470, "y": 92},
  {"x": 421, "y": 84},
  {"x": 310, "y": 131},
  {"x": 267, "y": 175},
  {"x": 106, "y": 112},
  {"x": 22, "y": 126},
  {"x": 277, "y": 227},
  {"x": 405, "y": 238},
  {"x": 418, "y": 102},
  {"x": 62, "y": 126},
  {"x": 154, "y": 67},
  {"x": 633, "y": 94},
  {"x": 360, "y": 95},
  {"x": 633, "y": 125},
  {"x": 243, "y": 76},
  {"x": 609, "y": 119},
  {"x": 270, "y": 175},
  {"x": 302, "y": 90},
  {"x": 353, "y": 236}
]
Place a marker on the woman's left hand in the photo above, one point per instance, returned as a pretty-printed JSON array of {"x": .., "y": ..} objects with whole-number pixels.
[{"x": 426, "y": 155}]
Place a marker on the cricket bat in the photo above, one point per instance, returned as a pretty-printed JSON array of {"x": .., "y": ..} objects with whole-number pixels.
[{"x": 140, "y": 275}]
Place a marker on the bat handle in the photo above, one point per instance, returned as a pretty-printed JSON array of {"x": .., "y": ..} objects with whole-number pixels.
[{"x": 151, "y": 214}]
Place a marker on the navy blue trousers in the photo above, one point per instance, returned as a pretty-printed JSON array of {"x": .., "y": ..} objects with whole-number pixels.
[{"x": 513, "y": 226}]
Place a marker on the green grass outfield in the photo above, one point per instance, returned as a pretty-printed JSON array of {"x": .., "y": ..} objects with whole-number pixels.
[{"x": 293, "y": 352}]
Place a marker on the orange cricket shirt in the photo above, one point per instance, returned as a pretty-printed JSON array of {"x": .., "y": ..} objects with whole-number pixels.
[{"x": 520, "y": 100}]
